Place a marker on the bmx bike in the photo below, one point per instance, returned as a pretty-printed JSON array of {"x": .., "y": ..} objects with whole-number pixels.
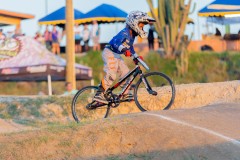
[{"x": 152, "y": 91}]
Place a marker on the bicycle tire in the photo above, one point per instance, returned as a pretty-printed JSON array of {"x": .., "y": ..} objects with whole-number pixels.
[
  {"x": 81, "y": 99},
  {"x": 162, "y": 85}
]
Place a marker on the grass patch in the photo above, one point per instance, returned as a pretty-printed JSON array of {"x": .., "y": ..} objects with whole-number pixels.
[
  {"x": 146, "y": 156},
  {"x": 26, "y": 122},
  {"x": 31, "y": 111}
]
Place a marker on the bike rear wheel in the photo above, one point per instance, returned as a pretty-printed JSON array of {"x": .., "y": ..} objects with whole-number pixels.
[
  {"x": 160, "y": 97},
  {"x": 81, "y": 108}
]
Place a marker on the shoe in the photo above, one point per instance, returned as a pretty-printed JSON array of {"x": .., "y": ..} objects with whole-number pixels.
[
  {"x": 99, "y": 97},
  {"x": 128, "y": 97}
]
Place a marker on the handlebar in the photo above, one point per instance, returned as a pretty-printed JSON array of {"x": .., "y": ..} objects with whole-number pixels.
[{"x": 135, "y": 56}]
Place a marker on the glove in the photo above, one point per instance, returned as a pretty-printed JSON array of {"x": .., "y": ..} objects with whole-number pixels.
[{"x": 127, "y": 53}]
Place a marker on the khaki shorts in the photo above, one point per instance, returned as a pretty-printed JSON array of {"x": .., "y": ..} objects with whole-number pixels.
[{"x": 114, "y": 66}]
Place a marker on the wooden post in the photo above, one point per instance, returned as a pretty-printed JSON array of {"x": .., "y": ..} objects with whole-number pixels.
[
  {"x": 70, "y": 72},
  {"x": 49, "y": 85}
]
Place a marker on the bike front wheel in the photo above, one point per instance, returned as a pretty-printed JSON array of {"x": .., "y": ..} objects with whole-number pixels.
[
  {"x": 160, "y": 96},
  {"x": 83, "y": 107}
]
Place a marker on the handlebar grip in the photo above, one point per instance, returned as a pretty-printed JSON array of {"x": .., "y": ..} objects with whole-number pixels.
[
  {"x": 143, "y": 64},
  {"x": 140, "y": 61}
]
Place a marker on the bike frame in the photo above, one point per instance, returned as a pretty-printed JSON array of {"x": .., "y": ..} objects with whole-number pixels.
[{"x": 136, "y": 71}]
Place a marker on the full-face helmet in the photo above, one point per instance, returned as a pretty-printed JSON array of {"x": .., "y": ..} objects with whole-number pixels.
[{"x": 134, "y": 18}]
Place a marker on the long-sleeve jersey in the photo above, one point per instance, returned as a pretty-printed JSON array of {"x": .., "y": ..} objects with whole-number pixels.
[{"x": 122, "y": 41}]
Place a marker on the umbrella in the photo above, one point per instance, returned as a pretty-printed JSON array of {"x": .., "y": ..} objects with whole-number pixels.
[
  {"x": 58, "y": 17},
  {"x": 220, "y": 8},
  {"x": 104, "y": 13}
]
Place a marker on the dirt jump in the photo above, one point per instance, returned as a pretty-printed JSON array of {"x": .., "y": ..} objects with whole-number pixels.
[{"x": 207, "y": 130}]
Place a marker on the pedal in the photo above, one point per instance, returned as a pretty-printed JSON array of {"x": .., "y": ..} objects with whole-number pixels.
[
  {"x": 152, "y": 92},
  {"x": 94, "y": 105}
]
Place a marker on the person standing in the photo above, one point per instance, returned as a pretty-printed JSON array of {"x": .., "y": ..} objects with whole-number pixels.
[
  {"x": 55, "y": 41},
  {"x": 86, "y": 36},
  {"x": 95, "y": 36},
  {"x": 63, "y": 41},
  {"x": 151, "y": 37},
  {"x": 77, "y": 32},
  {"x": 218, "y": 33},
  {"x": 48, "y": 38}
]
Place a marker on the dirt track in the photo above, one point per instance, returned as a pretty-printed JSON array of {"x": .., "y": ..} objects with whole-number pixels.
[{"x": 211, "y": 132}]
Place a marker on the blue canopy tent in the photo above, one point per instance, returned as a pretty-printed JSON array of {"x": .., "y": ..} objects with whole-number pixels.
[
  {"x": 58, "y": 17},
  {"x": 221, "y": 8},
  {"x": 104, "y": 13},
  {"x": 223, "y": 12}
]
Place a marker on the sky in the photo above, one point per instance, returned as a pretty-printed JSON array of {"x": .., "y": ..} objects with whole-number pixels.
[{"x": 40, "y": 8}]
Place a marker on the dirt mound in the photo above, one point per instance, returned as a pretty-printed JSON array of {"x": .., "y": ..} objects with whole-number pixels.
[
  {"x": 58, "y": 109},
  {"x": 201, "y": 94}
]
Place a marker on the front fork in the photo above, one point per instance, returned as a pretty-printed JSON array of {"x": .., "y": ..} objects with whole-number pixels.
[{"x": 147, "y": 86}]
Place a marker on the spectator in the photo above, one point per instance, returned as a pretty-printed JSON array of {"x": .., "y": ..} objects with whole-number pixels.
[
  {"x": 86, "y": 36},
  {"x": 2, "y": 36},
  {"x": 38, "y": 36},
  {"x": 95, "y": 36},
  {"x": 55, "y": 41},
  {"x": 218, "y": 33},
  {"x": 78, "y": 38},
  {"x": 69, "y": 90},
  {"x": 151, "y": 37},
  {"x": 48, "y": 39},
  {"x": 63, "y": 41}
]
